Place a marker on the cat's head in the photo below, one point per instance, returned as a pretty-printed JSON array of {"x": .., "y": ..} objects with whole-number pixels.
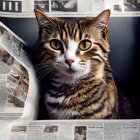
[{"x": 73, "y": 48}]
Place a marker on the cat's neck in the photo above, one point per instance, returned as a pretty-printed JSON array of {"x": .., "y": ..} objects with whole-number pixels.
[
  {"x": 65, "y": 79},
  {"x": 70, "y": 79},
  {"x": 76, "y": 78}
]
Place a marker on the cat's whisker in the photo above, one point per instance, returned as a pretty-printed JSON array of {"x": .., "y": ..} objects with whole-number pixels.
[
  {"x": 43, "y": 67},
  {"x": 39, "y": 68},
  {"x": 39, "y": 64},
  {"x": 42, "y": 64},
  {"x": 114, "y": 73},
  {"x": 46, "y": 72},
  {"x": 41, "y": 76},
  {"x": 39, "y": 72},
  {"x": 52, "y": 74},
  {"x": 43, "y": 71}
]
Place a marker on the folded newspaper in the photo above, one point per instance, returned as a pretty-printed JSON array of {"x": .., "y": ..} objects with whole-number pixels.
[
  {"x": 17, "y": 78},
  {"x": 17, "y": 84}
]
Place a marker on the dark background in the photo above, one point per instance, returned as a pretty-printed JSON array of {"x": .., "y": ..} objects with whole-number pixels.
[{"x": 124, "y": 40}]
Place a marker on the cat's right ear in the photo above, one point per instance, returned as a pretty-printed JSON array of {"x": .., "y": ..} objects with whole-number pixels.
[{"x": 41, "y": 17}]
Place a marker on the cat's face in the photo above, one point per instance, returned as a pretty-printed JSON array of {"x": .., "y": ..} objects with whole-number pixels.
[{"x": 73, "y": 48}]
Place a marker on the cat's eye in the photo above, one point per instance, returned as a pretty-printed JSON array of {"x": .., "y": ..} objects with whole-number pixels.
[
  {"x": 56, "y": 44},
  {"x": 84, "y": 45}
]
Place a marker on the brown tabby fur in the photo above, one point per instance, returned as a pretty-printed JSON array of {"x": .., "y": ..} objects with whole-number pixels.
[{"x": 93, "y": 96}]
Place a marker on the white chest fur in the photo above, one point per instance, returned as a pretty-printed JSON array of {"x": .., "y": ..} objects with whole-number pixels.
[{"x": 55, "y": 113}]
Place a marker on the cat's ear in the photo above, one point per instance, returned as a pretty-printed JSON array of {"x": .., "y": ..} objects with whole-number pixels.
[
  {"x": 43, "y": 18},
  {"x": 102, "y": 19},
  {"x": 101, "y": 22}
]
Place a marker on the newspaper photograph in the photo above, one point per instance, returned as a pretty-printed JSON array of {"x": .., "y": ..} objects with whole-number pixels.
[
  {"x": 69, "y": 8},
  {"x": 80, "y": 132}
]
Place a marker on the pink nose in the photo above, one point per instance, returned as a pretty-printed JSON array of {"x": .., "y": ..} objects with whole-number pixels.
[{"x": 69, "y": 61}]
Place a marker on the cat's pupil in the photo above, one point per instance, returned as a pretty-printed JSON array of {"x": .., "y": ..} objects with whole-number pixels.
[
  {"x": 57, "y": 44},
  {"x": 84, "y": 44}
]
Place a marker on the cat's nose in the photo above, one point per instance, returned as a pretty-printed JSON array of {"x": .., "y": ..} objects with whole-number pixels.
[{"x": 69, "y": 62}]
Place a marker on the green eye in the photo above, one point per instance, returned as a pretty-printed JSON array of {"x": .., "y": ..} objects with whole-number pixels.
[
  {"x": 84, "y": 45},
  {"x": 56, "y": 44}
]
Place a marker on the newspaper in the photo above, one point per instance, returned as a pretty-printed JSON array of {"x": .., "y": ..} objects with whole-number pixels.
[
  {"x": 17, "y": 76},
  {"x": 19, "y": 92},
  {"x": 75, "y": 130},
  {"x": 69, "y": 8}
]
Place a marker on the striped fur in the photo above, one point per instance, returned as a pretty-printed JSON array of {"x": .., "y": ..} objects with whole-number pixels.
[{"x": 86, "y": 89}]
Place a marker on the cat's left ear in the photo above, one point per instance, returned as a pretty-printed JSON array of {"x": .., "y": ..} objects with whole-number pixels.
[
  {"x": 43, "y": 18},
  {"x": 102, "y": 19},
  {"x": 101, "y": 22}
]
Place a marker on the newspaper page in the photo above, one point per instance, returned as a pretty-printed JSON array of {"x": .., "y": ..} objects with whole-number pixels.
[
  {"x": 16, "y": 77},
  {"x": 69, "y": 8},
  {"x": 76, "y": 130}
]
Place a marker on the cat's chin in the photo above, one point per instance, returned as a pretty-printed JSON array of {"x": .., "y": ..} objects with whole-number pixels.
[{"x": 70, "y": 71}]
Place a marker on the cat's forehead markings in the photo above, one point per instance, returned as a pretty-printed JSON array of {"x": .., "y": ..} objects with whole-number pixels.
[
  {"x": 70, "y": 30},
  {"x": 55, "y": 35},
  {"x": 86, "y": 35}
]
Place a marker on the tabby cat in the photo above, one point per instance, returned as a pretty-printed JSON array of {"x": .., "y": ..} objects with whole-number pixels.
[{"x": 74, "y": 68}]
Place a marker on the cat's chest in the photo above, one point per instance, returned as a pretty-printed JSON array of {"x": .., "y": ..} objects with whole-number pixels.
[
  {"x": 55, "y": 112},
  {"x": 79, "y": 100},
  {"x": 55, "y": 96}
]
